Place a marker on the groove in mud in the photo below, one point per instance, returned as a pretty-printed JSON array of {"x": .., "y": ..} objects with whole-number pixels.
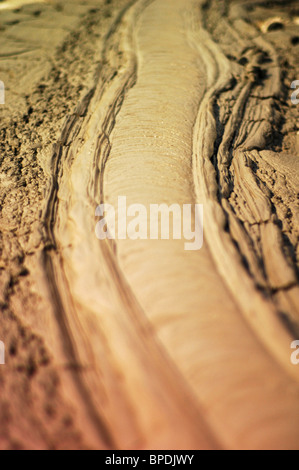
[
  {"x": 223, "y": 169},
  {"x": 62, "y": 150}
]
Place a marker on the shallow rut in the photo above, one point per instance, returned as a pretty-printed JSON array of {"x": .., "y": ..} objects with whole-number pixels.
[{"x": 148, "y": 131}]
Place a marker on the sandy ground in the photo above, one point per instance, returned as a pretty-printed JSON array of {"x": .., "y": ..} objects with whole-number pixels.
[{"x": 140, "y": 344}]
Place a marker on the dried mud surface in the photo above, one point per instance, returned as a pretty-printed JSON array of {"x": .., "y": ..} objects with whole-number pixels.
[{"x": 141, "y": 344}]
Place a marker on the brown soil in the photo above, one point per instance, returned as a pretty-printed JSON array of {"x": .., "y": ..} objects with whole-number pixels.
[{"x": 141, "y": 344}]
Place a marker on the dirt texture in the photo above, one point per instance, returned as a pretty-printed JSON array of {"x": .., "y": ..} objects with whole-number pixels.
[{"x": 140, "y": 344}]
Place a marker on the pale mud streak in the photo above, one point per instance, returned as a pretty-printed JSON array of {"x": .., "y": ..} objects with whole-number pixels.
[
  {"x": 10, "y": 4},
  {"x": 165, "y": 341},
  {"x": 130, "y": 388}
]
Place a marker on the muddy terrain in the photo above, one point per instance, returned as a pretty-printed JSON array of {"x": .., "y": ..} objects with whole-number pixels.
[{"x": 142, "y": 344}]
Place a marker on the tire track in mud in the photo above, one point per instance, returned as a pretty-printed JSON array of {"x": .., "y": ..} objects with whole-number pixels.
[
  {"x": 50, "y": 259},
  {"x": 60, "y": 155},
  {"x": 161, "y": 366},
  {"x": 165, "y": 413}
]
